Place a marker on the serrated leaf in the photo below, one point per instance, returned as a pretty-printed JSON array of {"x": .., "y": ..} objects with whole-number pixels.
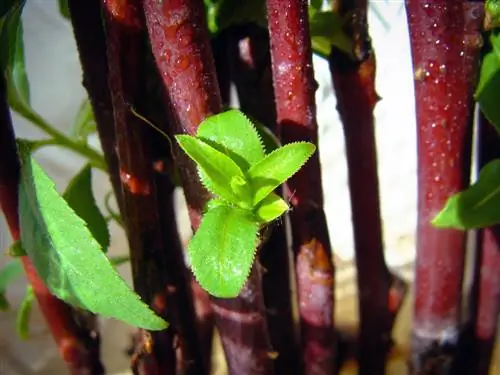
[
  {"x": 489, "y": 82},
  {"x": 80, "y": 197},
  {"x": 224, "y": 177},
  {"x": 66, "y": 256},
  {"x": 233, "y": 134},
  {"x": 222, "y": 250},
  {"x": 24, "y": 314},
  {"x": 277, "y": 167},
  {"x": 10, "y": 272},
  {"x": 270, "y": 208},
  {"x": 84, "y": 124},
  {"x": 476, "y": 207}
]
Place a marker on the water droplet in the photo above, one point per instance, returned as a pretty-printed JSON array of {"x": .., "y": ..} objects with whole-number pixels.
[
  {"x": 182, "y": 63},
  {"x": 170, "y": 31},
  {"x": 185, "y": 35}
]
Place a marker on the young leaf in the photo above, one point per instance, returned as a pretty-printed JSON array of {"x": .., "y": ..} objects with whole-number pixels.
[
  {"x": 277, "y": 167},
  {"x": 66, "y": 256},
  {"x": 16, "y": 250},
  {"x": 24, "y": 314},
  {"x": 270, "y": 208},
  {"x": 80, "y": 198},
  {"x": 222, "y": 176},
  {"x": 8, "y": 274},
  {"x": 233, "y": 134},
  {"x": 222, "y": 250},
  {"x": 84, "y": 124},
  {"x": 12, "y": 58},
  {"x": 492, "y": 14},
  {"x": 476, "y": 207},
  {"x": 489, "y": 82}
]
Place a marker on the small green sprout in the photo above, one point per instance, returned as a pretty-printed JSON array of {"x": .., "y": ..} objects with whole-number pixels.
[{"x": 233, "y": 165}]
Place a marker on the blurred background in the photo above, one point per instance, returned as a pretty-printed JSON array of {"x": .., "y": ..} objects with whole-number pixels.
[{"x": 56, "y": 93}]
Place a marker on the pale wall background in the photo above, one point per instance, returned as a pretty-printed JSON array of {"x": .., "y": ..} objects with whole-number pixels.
[{"x": 56, "y": 92}]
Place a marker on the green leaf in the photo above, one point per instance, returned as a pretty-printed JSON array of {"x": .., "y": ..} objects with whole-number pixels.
[
  {"x": 325, "y": 28},
  {"x": 269, "y": 139},
  {"x": 222, "y": 250},
  {"x": 16, "y": 250},
  {"x": 230, "y": 12},
  {"x": 80, "y": 198},
  {"x": 233, "y": 134},
  {"x": 119, "y": 260},
  {"x": 10, "y": 272},
  {"x": 12, "y": 58},
  {"x": 492, "y": 13},
  {"x": 270, "y": 208},
  {"x": 24, "y": 314},
  {"x": 223, "y": 176},
  {"x": 84, "y": 124},
  {"x": 277, "y": 167},
  {"x": 489, "y": 82},
  {"x": 64, "y": 9},
  {"x": 476, "y": 207},
  {"x": 66, "y": 256}
]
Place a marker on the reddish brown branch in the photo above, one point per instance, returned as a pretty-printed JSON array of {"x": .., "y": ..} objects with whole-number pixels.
[
  {"x": 76, "y": 337},
  {"x": 156, "y": 255},
  {"x": 380, "y": 294},
  {"x": 294, "y": 89},
  {"x": 91, "y": 43},
  {"x": 250, "y": 71},
  {"x": 445, "y": 43},
  {"x": 487, "y": 303},
  {"x": 179, "y": 39}
]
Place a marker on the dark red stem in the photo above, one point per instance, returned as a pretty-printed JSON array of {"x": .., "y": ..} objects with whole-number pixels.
[
  {"x": 445, "y": 43},
  {"x": 181, "y": 47},
  {"x": 156, "y": 255},
  {"x": 91, "y": 43},
  {"x": 250, "y": 71},
  {"x": 488, "y": 278},
  {"x": 76, "y": 337},
  {"x": 380, "y": 294},
  {"x": 294, "y": 89}
]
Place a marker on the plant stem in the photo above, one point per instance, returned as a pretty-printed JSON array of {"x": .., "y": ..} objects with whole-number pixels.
[
  {"x": 157, "y": 260},
  {"x": 91, "y": 43},
  {"x": 76, "y": 336},
  {"x": 445, "y": 43},
  {"x": 294, "y": 89},
  {"x": 488, "y": 277},
  {"x": 180, "y": 43},
  {"x": 380, "y": 293},
  {"x": 250, "y": 70}
]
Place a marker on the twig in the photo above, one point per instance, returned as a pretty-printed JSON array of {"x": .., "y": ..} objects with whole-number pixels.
[{"x": 294, "y": 89}]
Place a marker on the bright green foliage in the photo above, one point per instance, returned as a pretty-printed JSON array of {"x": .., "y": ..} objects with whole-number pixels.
[
  {"x": 80, "y": 198},
  {"x": 24, "y": 314},
  {"x": 489, "y": 81},
  {"x": 221, "y": 252},
  {"x": 8, "y": 274},
  {"x": 476, "y": 207},
  {"x": 84, "y": 124},
  {"x": 63, "y": 8},
  {"x": 492, "y": 8},
  {"x": 67, "y": 257},
  {"x": 233, "y": 165},
  {"x": 277, "y": 167},
  {"x": 326, "y": 31}
]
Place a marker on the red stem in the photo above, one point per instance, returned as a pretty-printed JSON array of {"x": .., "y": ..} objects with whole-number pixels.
[
  {"x": 488, "y": 302},
  {"x": 250, "y": 71},
  {"x": 380, "y": 294},
  {"x": 294, "y": 89},
  {"x": 91, "y": 43},
  {"x": 78, "y": 344},
  {"x": 445, "y": 43},
  {"x": 179, "y": 39}
]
